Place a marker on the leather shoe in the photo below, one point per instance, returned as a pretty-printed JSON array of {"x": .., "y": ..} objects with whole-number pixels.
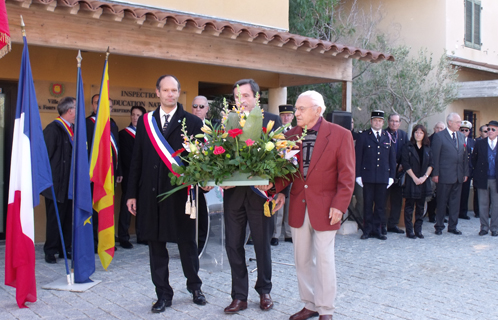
[
  {"x": 274, "y": 241},
  {"x": 383, "y": 230},
  {"x": 419, "y": 235},
  {"x": 50, "y": 258},
  {"x": 303, "y": 315},
  {"x": 494, "y": 233},
  {"x": 438, "y": 232},
  {"x": 265, "y": 302},
  {"x": 381, "y": 237},
  {"x": 325, "y": 317},
  {"x": 288, "y": 240},
  {"x": 411, "y": 235},
  {"x": 364, "y": 236},
  {"x": 68, "y": 255},
  {"x": 483, "y": 233},
  {"x": 456, "y": 231},
  {"x": 198, "y": 297},
  {"x": 395, "y": 229},
  {"x": 236, "y": 306},
  {"x": 465, "y": 217},
  {"x": 126, "y": 244},
  {"x": 161, "y": 305}
]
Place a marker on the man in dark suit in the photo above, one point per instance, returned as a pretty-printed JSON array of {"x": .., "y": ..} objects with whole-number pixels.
[
  {"x": 469, "y": 144},
  {"x": 485, "y": 161},
  {"x": 126, "y": 143},
  {"x": 375, "y": 171},
  {"x": 432, "y": 204},
  {"x": 398, "y": 139},
  {"x": 451, "y": 170},
  {"x": 483, "y": 134},
  {"x": 242, "y": 206},
  {"x": 59, "y": 140},
  {"x": 164, "y": 221}
]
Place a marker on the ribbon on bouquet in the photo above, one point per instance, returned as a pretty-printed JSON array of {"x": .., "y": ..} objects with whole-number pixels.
[{"x": 269, "y": 200}]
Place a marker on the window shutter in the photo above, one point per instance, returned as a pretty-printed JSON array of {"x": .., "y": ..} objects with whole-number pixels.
[
  {"x": 477, "y": 24},
  {"x": 468, "y": 20}
]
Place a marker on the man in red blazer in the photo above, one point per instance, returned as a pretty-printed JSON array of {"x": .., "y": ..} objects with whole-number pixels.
[{"x": 318, "y": 198}]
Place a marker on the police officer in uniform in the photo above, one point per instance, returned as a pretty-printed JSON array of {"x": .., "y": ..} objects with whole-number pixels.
[{"x": 375, "y": 170}]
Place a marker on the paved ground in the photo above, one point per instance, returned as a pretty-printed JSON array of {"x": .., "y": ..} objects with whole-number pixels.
[{"x": 439, "y": 277}]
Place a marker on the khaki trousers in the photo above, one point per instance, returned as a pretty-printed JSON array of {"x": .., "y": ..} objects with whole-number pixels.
[{"x": 315, "y": 267}]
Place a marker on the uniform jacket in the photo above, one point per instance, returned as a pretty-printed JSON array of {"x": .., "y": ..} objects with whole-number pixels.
[
  {"x": 330, "y": 179},
  {"x": 411, "y": 160},
  {"x": 450, "y": 163},
  {"x": 165, "y": 220},
  {"x": 60, "y": 150},
  {"x": 481, "y": 164},
  {"x": 375, "y": 160},
  {"x": 90, "y": 128}
]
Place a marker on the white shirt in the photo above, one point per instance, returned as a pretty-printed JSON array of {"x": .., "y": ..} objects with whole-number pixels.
[
  {"x": 377, "y": 131},
  {"x": 162, "y": 114},
  {"x": 492, "y": 143}
]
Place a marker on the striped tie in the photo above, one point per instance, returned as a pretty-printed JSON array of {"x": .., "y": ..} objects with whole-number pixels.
[{"x": 166, "y": 123}]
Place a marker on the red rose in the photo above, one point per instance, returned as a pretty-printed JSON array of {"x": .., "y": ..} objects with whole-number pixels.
[
  {"x": 218, "y": 150},
  {"x": 178, "y": 152},
  {"x": 264, "y": 129},
  {"x": 235, "y": 132}
]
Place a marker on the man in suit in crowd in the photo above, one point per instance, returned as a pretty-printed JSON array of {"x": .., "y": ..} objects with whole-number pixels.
[
  {"x": 90, "y": 128},
  {"x": 432, "y": 204},
  {"x": 200, "y": 107},
  {"x": 485, "y": 161},
  {"x": 375, "y": 172},
  {"x": 286, "y": 113},
  {"x": 318, "y": 202},
  {"x": 398, "y": 139},
  {"x": 483, "y": 134},
  {"x": 164, "y": 221},
  {"x": 59, "y": 140},
  {"x": 242, "y": 206},
  {"x": 126, "y": 143},
  {"x": 451, "y": 170},
  {"x": 469, "y": 144}
]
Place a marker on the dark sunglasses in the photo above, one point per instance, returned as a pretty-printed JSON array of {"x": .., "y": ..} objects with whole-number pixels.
[
  {"x": 492, "y": 129},
  {"x": 195, "y": 106},
  {"x": 464, "y": 130},
  {"x": 485, "y": 131}
]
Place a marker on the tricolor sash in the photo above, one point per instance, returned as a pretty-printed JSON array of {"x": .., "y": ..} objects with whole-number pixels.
[
  {"x": 131, "y": 131},
  {"x": 160, "y": 144},
  {"x": 269, "y": 199},
  {"x": 113, "y": 140},
  {"x": 66, "y": 128}
]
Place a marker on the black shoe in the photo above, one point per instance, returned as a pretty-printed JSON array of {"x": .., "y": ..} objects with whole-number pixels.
[
  {"x": 383, "y": 230},
  {"x": 364, "y": 236},
  {"x": 161, "y": 305},
  {"x": 438, "y": 232},
  {"x": 476, "y": 215},
  {"x": 288, "y": 240},
  {"x": 380, "y": 237},
  {"x": 483, "y": 233},
  {"x": 50, "y": 258},
  {"x": 456, "y": 231},
  {"x": 494, "y": 233},
  {"x": 68, "y": 255},
  {"x": 464, "y": 217},
  {"x": 419, "y": 235},
  {"x": 395, "y": 229},
  {"x": 411, "y": 235},
  {"x": 126, "y": 244},
  {"x": 274, "y": 241},
  {"x": 445, "y": 220},
  {"x": 198, "y": 297}
]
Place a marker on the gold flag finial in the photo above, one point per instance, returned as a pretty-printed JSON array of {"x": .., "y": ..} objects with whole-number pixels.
[
  {"x": 23, "y": 29},
  {"x": 79, "y": 58},
  {"x": 107, "y": 53}
]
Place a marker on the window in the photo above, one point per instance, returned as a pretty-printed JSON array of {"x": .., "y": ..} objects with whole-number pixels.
[{"x": 473, "y": 24}]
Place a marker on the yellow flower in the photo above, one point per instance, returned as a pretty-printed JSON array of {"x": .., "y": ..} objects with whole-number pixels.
[
  {"x": 206, "y": 129},
  {"x": 269, "y": 126},
  {"x": 269, "y": 146},
  {"x": 279, "y": 136},
  {"x": 242, "y": 122},
  {"x": 281, "y": 144},
  {"x": 225, "y": 135}
]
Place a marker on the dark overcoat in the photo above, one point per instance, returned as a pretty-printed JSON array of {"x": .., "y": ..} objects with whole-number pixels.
[
  {"x": 411, "y": 160},
  {"x": 126, "y": 144},
  {"x": 481, "y": 164},
  {"x": 166, "y": 220}
]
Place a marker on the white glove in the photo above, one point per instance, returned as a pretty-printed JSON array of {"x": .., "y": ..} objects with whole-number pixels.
[
  {"x": 359, "y": 182},
  {"x": 390, "y": 183}
]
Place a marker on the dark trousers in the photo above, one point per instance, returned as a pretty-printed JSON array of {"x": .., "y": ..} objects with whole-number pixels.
[
  {"x": 476, "y": 202},
  {"x": 202, "y": 221},
  {"x": 159, "y": 270},
  {"x": 464, "y": 199},
  {"x": 410, "y": 205},
  {"x": 242, "y": 206},
  {"x": 448, "y": 195},
  {"x": 53, "y": 242},
  {"x": 373, "y": 194},
  {"x": 124, "y": 218},
  {"x": 396, "y": 201}
]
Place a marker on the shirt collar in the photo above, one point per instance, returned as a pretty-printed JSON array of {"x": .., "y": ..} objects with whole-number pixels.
[
  {"x": 451, "y": 132},
  {"x": 375, "y": 131},
  {"x": 171, "y": 113},
  {"x": 317, "y": 125},
  {"x": 67, "y": 122}
]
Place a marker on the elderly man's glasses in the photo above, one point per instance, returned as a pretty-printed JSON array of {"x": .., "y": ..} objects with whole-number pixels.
[
  {"x": 492, "y": 129},
  {"x": 195, "y": 106},
  {"x": 302, "y": 109}
]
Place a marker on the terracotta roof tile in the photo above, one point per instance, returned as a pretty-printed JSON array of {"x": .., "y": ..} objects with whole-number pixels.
[{"x": 217, "y": 27}]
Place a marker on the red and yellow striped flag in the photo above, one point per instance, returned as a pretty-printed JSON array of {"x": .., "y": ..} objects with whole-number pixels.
[{"x": 102, "y": 174}]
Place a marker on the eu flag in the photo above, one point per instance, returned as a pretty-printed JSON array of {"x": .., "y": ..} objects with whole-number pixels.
[{"x": 80, "y": 192}]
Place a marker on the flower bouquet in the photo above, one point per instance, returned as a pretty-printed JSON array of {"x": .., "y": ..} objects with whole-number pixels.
[{"x": 239, "y": 145}]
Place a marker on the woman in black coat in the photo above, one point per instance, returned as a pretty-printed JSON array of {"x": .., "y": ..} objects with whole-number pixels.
[{"x": 416, "y": 158}]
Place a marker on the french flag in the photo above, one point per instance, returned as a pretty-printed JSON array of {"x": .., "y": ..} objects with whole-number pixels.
[{"x": 30, "y": 174}]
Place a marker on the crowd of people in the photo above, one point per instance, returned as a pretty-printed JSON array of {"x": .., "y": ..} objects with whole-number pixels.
[{"x": 390, "y": 166}]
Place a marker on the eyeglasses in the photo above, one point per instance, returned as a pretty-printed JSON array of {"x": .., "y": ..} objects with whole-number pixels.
[
  {"x": 302, "y": 109},
  {"x": 464, "y": 130},
  {"x": 195, "y": 106},
  {"x": 492, "y": 129},
  {"x": 485, "y": 131}
]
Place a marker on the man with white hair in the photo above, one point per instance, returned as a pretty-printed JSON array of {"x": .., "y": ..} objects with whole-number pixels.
[
  {"x": 432, "y": 204},
  {"x": 200, "y": 107},
  {"x": 451, "y": 170},
  {"x": 319, "y": 196}
]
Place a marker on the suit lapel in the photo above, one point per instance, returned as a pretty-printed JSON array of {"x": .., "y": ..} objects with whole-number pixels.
[{"x": 176, "y": 121}]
